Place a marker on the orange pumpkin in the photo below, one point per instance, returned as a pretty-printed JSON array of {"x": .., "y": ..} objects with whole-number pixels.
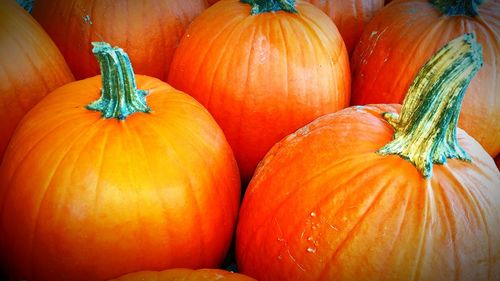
[
  {"x": 180, "y": 274},
  {"x": 31, "y": 67},
  {"x": 404, "y": 35},
  {"x": 88, "y": 197},
  {"x": 360, "y": 194},
  {"x": 263, "y": 69},
  {"x": 148, "y": 30},
  {"x": 350, "y": 16}
]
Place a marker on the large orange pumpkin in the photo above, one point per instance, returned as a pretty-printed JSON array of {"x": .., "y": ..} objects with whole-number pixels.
[
  {"x": 31, "y": 67},
  {"x": 85, "y": 197},
  {"x": 331, "y": 202},
  {"x": 148, "y": 30},
  {"x": 350, "y": 16},
  {"x": 263, "y": 69},
  {"x": 403, "y": 36},
  {"x": 180, "y": 274}
]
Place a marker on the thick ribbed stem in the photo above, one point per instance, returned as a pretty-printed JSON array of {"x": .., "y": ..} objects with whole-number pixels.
[
  {"x": 119, "y": 95},
  {"x": 458, "y": 7},
  {"x": 266, "y": 6},
  {"x": 425, "y": 131}
]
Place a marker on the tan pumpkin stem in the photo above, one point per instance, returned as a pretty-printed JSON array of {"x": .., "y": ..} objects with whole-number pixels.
[
  {"x": 119, "y": 95},
  {"x": 425, "y": 131}
]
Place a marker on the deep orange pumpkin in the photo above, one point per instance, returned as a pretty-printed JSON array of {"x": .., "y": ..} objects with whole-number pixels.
[
  {"x": 403, "y": 36},
  {"x": 148, "y": 30},
  {"x": 324, "y": 205},
  {"x": 350, "y": 16},
  {"x": 31, "y": 67},
  {"x": 262, "y": 73},
  {"x": 179, "y": 274},
  {"x": 90, "y": 198}
]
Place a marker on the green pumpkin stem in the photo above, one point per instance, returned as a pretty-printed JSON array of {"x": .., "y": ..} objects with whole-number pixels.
[
  {"x": 266, "y": 6},
  {"x": 458, "y": 7},
  {"x": 425, "y": 131},
  {"x": 26, "y": 4},
  {"x": 119, "y": 95}
]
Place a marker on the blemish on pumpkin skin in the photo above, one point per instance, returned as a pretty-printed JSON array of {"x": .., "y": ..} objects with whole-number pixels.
[{"x": 87, "y": 19}]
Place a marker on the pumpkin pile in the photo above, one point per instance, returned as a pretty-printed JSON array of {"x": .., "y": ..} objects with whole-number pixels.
[{"x": 220, "y": 140}]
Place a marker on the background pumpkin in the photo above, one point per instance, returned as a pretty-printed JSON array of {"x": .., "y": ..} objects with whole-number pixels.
[
  {"x": 403, "y": 35},
  {"x": 31, "y": 67},
  {"x": 185, "y": 275},
  {"x": 148, "y": 30},
  {"x": 89, "y": 198},
  {"x": 323, "y": 205},
  {"x": 262, "y": 75},
  {"x": 350, "y": 16}
]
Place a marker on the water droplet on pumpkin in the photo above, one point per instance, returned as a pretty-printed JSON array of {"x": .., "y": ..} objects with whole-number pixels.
[
  {"x": 309, "y": 238},
  {"x": 311, "y": 250},
  {"x": 313, "y": 214}
]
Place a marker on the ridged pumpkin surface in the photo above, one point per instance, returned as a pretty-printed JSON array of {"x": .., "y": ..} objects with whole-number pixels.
[
  {"x": 324, "y": 206},
  {"x": 262, "y": 76},
  {"x": 404, "y": 35},
  {"x": 87, "y": 198},
  {"x": 31, "y": 64},
  {"x": 148, "y": 30},
  {"x": 350, "y": 16},
  {"x": 185, "y": 275}
]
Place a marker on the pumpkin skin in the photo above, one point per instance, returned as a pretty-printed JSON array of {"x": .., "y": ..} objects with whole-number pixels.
[
  {"x": 181, "y": 274},
  {"x": 32, "y": 67},
  {"x": 351, "y": 214},
  {"x": 378, "y": 193},
  {"x": 262, "y": 76},
  {"x": 404, "y": 35},
  {"x": 350, "y": 16},
  {"x": 148, "y": 30},
  {"x": 87, "y": 198}
]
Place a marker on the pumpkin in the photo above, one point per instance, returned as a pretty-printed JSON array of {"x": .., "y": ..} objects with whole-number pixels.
[
  {"x": 403, "y": 36},
  {"x": 263, "y": 69},
  {"x": 360, "y": 195},
  {"x": 350, "y": 16},
  {"x": 94, "y": 190},
  {"x": 149, "y": 30},
  {"x": 181, "y": 274},
  {"x": 31, "y": 64}
]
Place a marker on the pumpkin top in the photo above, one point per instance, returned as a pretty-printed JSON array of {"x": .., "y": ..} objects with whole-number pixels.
[
  {"x": 119, "y": 95},
  {"x": 426, "y": 128},
  {"x": 458, "y": 7},
  {"x": 266, "y": 6}
]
